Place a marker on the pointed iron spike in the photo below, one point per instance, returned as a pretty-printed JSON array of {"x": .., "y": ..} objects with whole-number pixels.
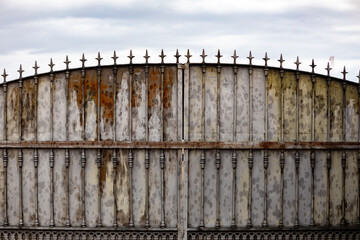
[
  {"x": 328, "y": 68},
  {"x": 266, "y": 59},
  {"x": 235, "y": 56},
  {"x": 21, "y": 71},
  {"x": 162, "y": 56},
  {"x": 4, "y": 75},
  {"x": 67, "y": 62},
  {"x": 146, "y": 56},
  {"x": 218, "y": 56},
  {"x": 131, "y": 56},
  {"x": 344, "y": 72},
  {"x": 250, "y": 57},
  {"x": 203, "y": 56},
  {"x": 188, "y": 56},
  {"x": 297, "y": 63},
  {"x": 36, "y": 67},
  {"x": 358, "y": 76},
  {"x": 177, "y": 55},
  {"x": 114, "y": 57},
  {"x": 99, "y": 58},
  {"x": 83, "y": 60},
  {"x": 312, "y": 65},
  {"x": 281, "y": 60},
  {"x": 51, "y": 65}
]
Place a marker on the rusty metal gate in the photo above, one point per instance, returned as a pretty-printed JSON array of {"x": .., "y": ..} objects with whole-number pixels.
[{"x": 186, "y": 151}]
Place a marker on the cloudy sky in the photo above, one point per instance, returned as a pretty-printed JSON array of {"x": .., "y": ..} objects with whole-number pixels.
[{"x": 40, "y": 29}]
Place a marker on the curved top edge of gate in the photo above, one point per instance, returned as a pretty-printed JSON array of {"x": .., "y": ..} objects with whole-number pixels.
[{"x": 162, "y": 56}]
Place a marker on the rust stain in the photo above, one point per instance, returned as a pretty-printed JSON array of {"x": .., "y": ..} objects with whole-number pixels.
[
  {"x": 91, "y": 86},
  {"x": 136, "y": 93},
  {"x": 75, "y": 84},
  {"x": 169, "y": 76},
  {"x": 107, "y": 101},
  {"x": 105, "y": 157},
  {"x": 28, "y": 113},
  {"x": 154, "y": 86}
]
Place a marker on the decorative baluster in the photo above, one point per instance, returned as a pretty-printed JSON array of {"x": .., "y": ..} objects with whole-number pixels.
[
  {"x": 234, "y": 155},
  {"x": 343, "y": 155},
  {"x": 266, "y": 156},
  {"x": 130, "y": 157},
  {"x": 114, "y": 158},
  {"x": 51, "y": 156},
  {"x": 282, "y": 155},
  {"x": 67, "y": 155},
  {"x": 297, "y": 154},
  {"x": 218, "y": 157},
  {"x": 5, "y": 155},
  {"x": 250, "y": 158},
  {"x": 312, "y": 153},
  {"x": 162, "y": 155},
  {"x": 20, "y": 154},
  {"x": 328, "y": 154},
  {"x": 147, "y": 157},
  {"x": 98, "y": 157},
  {"x": 202, "y": 155},
  {"x": 83, "y": 155}
]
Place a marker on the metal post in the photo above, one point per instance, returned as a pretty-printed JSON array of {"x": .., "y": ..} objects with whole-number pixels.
[
  {"x": 250, "y": 158},
  {"x": 312, "y": 153},
  {"x": 130, "y": 157},
  {"x": 147, "y": 157},
  {"x": 282, "y": 155},
  {"x": 202, "y": 156},
  {"x": 162, "y": 154},
  {"x": 51, "y": 156},
  {"x": 98, "y": 158},
  {"x": 297, "y": 154},
  {"x": 5, "y": 155},
  {"x": 67, "y": 155},
  {"x": 328, "y": 153},
  {"x": 20, "y": 154},
  {"x": 83, "y": 155},
  {"x": 234, "y": 155},
  {"x": 114, "y": 158},
  {"x": 358, "y": 157},
  {"x": 266, "y": 156},
  {"x": 343, "y": 156}
]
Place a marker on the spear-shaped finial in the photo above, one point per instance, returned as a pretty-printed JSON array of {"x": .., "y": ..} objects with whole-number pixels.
[
  {"x": 146, "y": 57},
  {"x": 177, "y": 55},
  {"x": 250, "y": 57},
  {"x": 162, "y": 56},
  {"x": 20, "y": 71},
  {"x": 281, "y": 60},
  {"x": 51, "y": 65},
  {"x": 328, "y": 68},
  {"x": 203, "y": 56},
  {"x": 83, "y": 60},
  {"x": 234, "y": 56},
  {"x": 266, "y": 59},
  {"x": 114, "y": 57},
  {"x": 218, "y": 56},
  {"x": 131, "y": 56},
  {"x": 99, "y": 58},
  {"x": 36, "y": 67},
  {"x": 344, "y": 72},
  {"x": 4, "y": 75},
  {"x": 188, "y": 56},
  {"x": 67, "y": 62},
  {"x": 297, "y": 63},
  {"x": 358, "y": 76},
  {"x": 312, "y": 66}
]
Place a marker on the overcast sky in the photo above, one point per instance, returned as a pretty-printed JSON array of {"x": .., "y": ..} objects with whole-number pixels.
[{"x": 40, "y": 29}]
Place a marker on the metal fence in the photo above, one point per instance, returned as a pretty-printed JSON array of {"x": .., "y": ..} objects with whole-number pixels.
[{"x": 194, "y": 150}]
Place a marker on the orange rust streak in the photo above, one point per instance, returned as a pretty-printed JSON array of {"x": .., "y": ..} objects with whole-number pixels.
[
  {"x": 169, "y": 76},
  {"x": 154, "y": 86},
  {"x": 107, "y": 101},
  {"x": 75, "y": 84}
]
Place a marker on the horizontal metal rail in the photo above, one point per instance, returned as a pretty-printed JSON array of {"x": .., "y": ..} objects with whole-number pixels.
[{"x": 178, "y": 145}]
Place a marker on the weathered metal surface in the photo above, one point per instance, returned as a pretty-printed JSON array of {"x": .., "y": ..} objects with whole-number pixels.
[{"x": 202, "y": 149}]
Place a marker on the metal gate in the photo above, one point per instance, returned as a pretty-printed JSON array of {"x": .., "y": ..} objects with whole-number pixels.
[{"x": 194, "y": 150}]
